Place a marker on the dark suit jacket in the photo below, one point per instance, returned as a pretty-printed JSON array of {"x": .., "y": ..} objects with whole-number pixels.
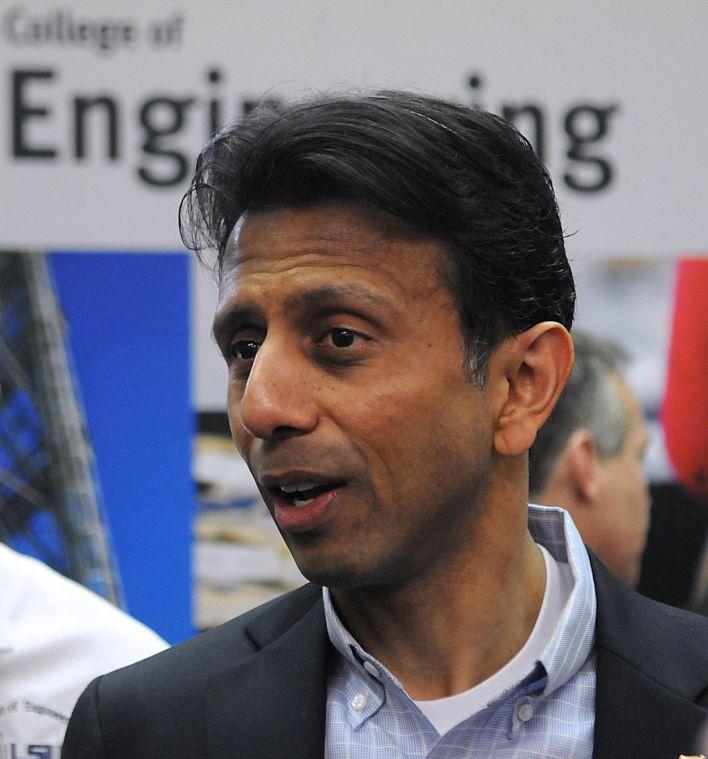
[{"x": 255, "y": 687}]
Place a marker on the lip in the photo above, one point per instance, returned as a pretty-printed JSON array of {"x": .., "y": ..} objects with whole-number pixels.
[{"x": 291, "y": 518}]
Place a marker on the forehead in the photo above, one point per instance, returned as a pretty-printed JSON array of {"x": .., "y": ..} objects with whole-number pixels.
[{"x": 329, "y": 242}]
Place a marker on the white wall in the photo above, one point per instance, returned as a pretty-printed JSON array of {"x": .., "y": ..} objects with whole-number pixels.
[{"x": 645, "y": 60}]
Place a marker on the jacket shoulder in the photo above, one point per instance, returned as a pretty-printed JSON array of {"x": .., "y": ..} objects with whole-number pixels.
[
  {"x": 669, "y": 645},
  {"x": 232, "y": 641},
  {"x": 157, "y": 707},
  {"x": 652, "y": 674}
]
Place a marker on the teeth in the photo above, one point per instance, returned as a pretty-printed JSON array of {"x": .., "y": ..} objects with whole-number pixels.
[
  {"x": 297, "y": 488},
  {"x": 302, "y": 501}
]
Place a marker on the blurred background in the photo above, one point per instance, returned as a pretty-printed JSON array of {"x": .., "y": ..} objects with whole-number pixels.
[{"x": 115, "y": 463}]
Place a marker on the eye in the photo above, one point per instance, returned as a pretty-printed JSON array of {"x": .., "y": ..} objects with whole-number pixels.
[
  {"x": 343, "y": 338},
  {"x": 342, "y": 346},
  {"x": 244, "y": 350}
]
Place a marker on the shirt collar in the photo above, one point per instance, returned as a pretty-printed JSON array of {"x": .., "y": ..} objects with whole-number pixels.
[
  {"x": 346, "y": 644},
  {"x": 574, "y": 636}
]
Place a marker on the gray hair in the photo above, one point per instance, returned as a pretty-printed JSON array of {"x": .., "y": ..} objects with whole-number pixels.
[{"x": 589, "y": 401}]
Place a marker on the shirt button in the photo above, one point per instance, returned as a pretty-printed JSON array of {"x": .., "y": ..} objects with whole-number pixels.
[
  {"x": 359, "y": 702},
  {"x": 524, "y": 711},
  {"x": 369, "y": 667}
]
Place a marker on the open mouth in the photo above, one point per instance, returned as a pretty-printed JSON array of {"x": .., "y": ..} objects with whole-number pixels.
[
  {"x": 303, "y": 493},
  {"x": 302, "y": 503}
]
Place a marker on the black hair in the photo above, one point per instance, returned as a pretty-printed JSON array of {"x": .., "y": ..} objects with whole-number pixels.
[{"x": 458, "y": 175}]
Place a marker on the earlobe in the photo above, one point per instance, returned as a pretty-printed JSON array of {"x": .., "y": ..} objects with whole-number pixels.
[{"x": 528, "y": 372}]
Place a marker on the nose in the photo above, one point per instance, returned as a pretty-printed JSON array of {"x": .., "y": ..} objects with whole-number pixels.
[{"x": 278, "y": 398}]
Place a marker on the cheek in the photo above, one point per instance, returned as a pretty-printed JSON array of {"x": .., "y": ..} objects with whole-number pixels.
[
  {"x": 408, "y": 440},
  {"x": 240, "y": 437},
  {"x": 392, "y": 418},
  {"x": 379, "y": 427}
]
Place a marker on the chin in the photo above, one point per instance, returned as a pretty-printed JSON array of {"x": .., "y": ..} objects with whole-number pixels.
[
  {"x": 332, "y": 575},
  {"x": 332, "y": 571},
  {"x": 341, "y": 575},
  {"x": 345, "y": 565}
]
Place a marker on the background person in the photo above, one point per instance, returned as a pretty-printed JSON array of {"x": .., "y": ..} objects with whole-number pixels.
[
  {"x": 588, "y": 457},
  {"x": 55, "y": 637}
]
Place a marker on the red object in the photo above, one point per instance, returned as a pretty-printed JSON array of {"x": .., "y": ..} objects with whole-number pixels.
[{"x": 685, "y": 407}]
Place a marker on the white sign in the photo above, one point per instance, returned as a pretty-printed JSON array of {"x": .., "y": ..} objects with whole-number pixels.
[{"x": 106, "y": 105}]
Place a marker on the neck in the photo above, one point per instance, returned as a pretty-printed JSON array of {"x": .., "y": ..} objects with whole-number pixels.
[{"x": 454, "y": 626}]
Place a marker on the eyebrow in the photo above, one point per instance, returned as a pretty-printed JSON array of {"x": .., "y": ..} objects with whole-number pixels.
[
  {"x": 225, "y": 321},
  {"x": 322, "y": 298},
  {"x": 331, "y": 295}
]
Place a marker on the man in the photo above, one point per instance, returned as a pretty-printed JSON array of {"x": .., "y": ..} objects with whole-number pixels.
[
  {"x": 588, "y": 458},
  {"x": 55, "y": 637},
  {"x": 394, "y": 310}
]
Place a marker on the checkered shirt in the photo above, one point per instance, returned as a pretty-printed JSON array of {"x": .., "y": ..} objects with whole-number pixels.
[{"x": 549, "y": 714}]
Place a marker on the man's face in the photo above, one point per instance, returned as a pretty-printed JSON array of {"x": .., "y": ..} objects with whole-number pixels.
[
  {"x": 624, "y": 495},
  {"x": 348, "y": 397}
]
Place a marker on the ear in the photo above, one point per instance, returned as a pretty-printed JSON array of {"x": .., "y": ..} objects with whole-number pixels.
[
  {"x": 581, "y": 459},
  {"x": 527, "y": 374}
]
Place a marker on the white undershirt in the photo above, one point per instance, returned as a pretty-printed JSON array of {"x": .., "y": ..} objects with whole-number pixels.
[{"x": 445, "y": 713}]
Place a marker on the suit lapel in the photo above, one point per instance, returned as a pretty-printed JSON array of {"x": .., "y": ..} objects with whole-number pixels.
[
  {"x": 646, "y": 687},
  {"x": 272, "y": 704}
]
